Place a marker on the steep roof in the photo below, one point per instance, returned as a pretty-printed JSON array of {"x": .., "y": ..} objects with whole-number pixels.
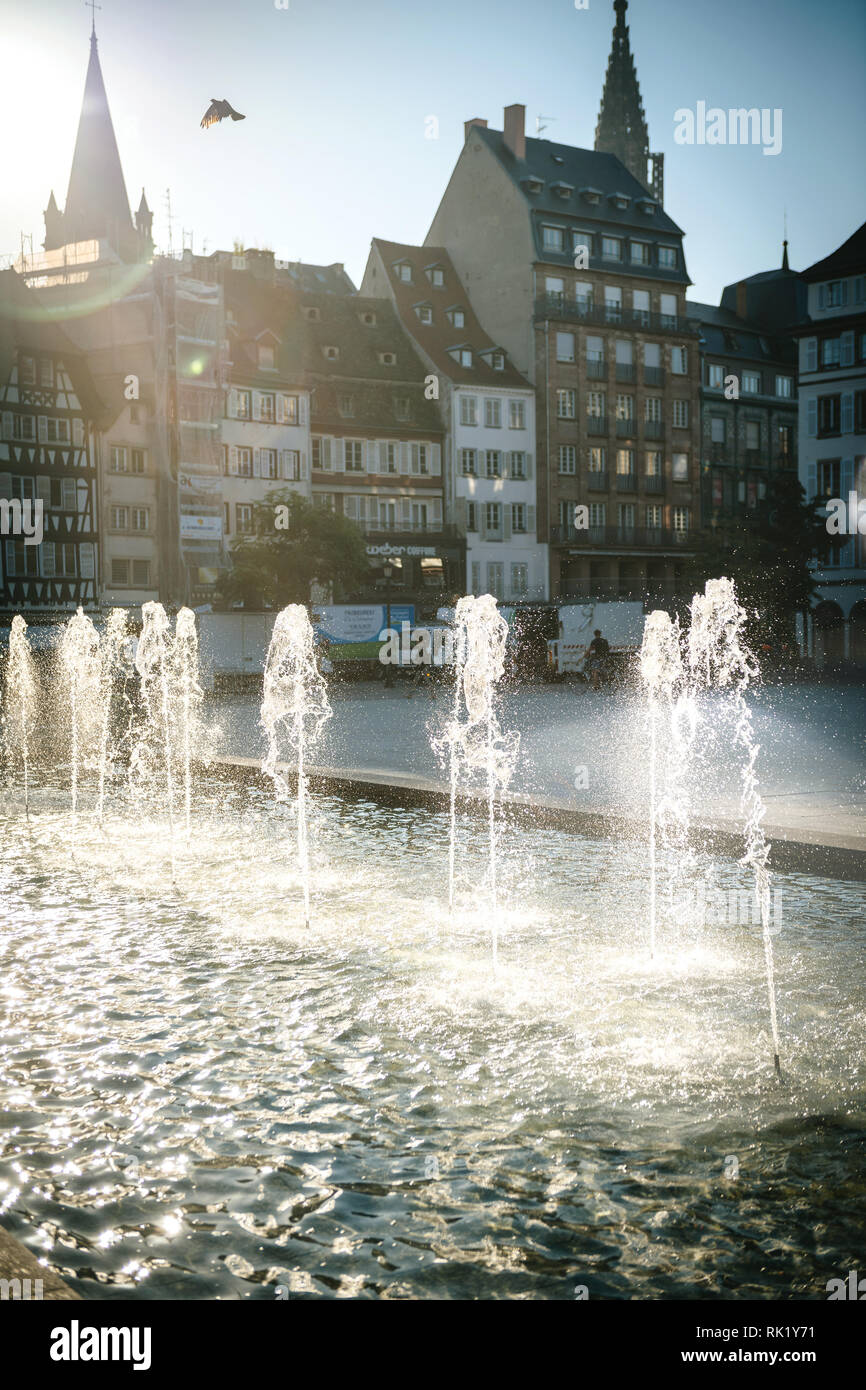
[
  {"x": 438, "y": 337},
  {"x": 257, "y": 307},
  {"x": 725, "y": 334},
  {"x": 847, "y": 259},
  {"x": 25, "y": 327}
]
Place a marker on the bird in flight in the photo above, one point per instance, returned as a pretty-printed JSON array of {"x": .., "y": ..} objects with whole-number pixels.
[{"x": 217, "y": 111}]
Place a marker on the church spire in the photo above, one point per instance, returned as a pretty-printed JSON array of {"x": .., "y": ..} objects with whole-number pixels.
[
  {"x": 96, "y": 202},
  {"x": 622, "y": 128}
]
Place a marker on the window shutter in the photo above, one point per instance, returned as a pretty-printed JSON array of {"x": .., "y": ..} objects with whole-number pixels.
[
  {"x": 437, "y": 513},
  {"x": 847, "y": 349},
  {"x": 46, "y": 560},
  {"x": 7, "y": 424},
  {"x": 372, "y": 456},
  {"x": 811, "y": 354},
  {"x": 233, "y": 403},
  {"x": 812, "y": 418},
  {"x": 284, "y": 463},
  {"x": 257, "y": 463},
  {"x": 530, "y": 518},
  {"x": 78, "y": 423},
  {"x": 43, "y": 490},
  {"x": 436, "y": 460},
  {"x": 848, "y": 412},
  {"x": 405, "y": 513},
  {"x": 481, "y": 519},
  {"x": 413, "y": 458},
  {"x": 10, "y": 558},
  {"x": 6, "y": 485},
  {"x": 302, "y": 466},
  {"x": 846, "y": 482},
  {"x": 859, "y": 289},
  {"x": 404, "y": 458},
  {"x": 350, "y": 508},
  {"x": 42, "y": 429},
  {"x": 86, "y": 561},
  {"x": 811, "y": 479},
  {"x": 337, "y": 456},
  {"x": 257, "y": 405},
  {"x": 461, "y": 509},
  {"x": 822, "y": 296},
  {"x": 506, "y": 522},
  {"x": 233, "y": 460}
]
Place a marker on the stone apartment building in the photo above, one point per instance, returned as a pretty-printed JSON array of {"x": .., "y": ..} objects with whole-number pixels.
[
  {"x": 832, "y": 441},
  {"x": 488, "y": 410},
  {"x": 574, "y": 267}
]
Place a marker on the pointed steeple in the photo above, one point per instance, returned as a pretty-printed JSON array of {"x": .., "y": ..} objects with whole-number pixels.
[
  {"x": 96, "y": 201},
  {"x": 144, "y": 226},
  {"x": 785, "y": 265},
  {"x": 622, "y": 128}
]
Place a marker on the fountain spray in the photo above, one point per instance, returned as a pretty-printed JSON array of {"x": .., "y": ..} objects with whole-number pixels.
[
  {"x": 152, "y": 661},
  {"x": 719, "y": 655},
  {"x": 19, "y": 702},
  {"x": 113, "y": 667},
  {"x": 80, "y": 669},
  {"x": 188, "y": 693},
  {"x": 295, "y": 707},
  {"x": 662, "y": 674}
]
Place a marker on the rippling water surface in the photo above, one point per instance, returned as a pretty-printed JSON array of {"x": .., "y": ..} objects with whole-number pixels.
[{"x": 203, "y": 1100}]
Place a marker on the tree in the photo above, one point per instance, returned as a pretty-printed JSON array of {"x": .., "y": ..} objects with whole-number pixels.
[
  {"x": 767, "y": 550},
  {"x": 291, "y": 546}
]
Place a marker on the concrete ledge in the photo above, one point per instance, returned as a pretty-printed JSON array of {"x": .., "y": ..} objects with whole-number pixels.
[
  {"x": 20, "y": 1270},
  {"x": 828, "y": 856}
]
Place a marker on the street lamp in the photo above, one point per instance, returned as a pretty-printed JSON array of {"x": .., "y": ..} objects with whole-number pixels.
[{"x": 387, "y": 570}]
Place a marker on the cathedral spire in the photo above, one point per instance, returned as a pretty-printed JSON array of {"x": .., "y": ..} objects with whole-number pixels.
[
  {"x": 96, "y": 202},
  {"x": 622, "y": 128}
]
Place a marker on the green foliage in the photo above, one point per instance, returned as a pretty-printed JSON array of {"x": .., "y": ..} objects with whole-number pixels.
[{"x": 276, "y": 564}]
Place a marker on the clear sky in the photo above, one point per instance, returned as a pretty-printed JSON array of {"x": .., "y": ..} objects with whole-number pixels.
[{"x": 337, "y": 92}]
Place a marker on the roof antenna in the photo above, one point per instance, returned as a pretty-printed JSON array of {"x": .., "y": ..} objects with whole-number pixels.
[
  {"x": 785, "y": 265},
  {"x": 168, "y": 218},
  {"x": 539, "y": 127}
]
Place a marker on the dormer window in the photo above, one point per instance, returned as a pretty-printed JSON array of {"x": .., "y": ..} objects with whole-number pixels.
[
  {"x": 368, "y": 318},
  {"x": 562, "y": 190},
  {"x": 647, "y": 206},
  {"x": 553, "y": 238},
  {"x": 457, "y": 317},
  {"x": 404, "y": 272},
  {"x": 402, "y": 408},
  {"x": 266, "y": 357},
  {"x": 620, "y": 200},
  {"x": 424, "y": 312},
  {"x": 436, "y": 276},
  {"x": 331, "y": 353},
  {"x": 388, "y": 359},
  {"x": 497, "y": 361},
  {"x": 463, "y": 355},
  {"x": 346, "y": 405},
  {"x": 312, "y": 315},
  {"x": 533, "y": 184},
  {"x": 591, "y": 195},
  {"x": 668, "y": 257}
]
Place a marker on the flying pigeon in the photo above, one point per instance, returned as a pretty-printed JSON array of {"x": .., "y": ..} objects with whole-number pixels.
[{"x": 217, "y": 111}]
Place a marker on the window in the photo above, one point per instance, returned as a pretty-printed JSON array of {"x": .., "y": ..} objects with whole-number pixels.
[
  {"x": 245, "y": 463},
  {"x": 717, "y": 429},
  {"x": 519, "y": 580},
  {"x": 269, "y": 463},
  {"x": 424, "y": 312},
  {"x": 553, "y": 238},
  {"x": 715, "y": 376},
  {"x": 668, "y": 310},
  {"x": 565, "y": 405},
  {"x": 597, "y": 514},
  {"x": 46, "y": 372},
  {"x": 641, "y": 304},
  {"x": 626, "y": 516},
  {"x": 595, "y": 401},
  {"x": 594, "y": 349},
  {"x": 119, "y": 518},
  {"x": 583, "y": 296},
  {"x": 140, "y": 517},
  {"x": 57, "y": 431},
  {"x": 468, "y": 463},
  {"x": 290, "y": 410},
  {"x": 518, "y": 516},
  {"x": 492, "y": 516},
  {"x": 679, "y": 361},
  {"x": 436, "y": 277},
  {"x": 652, "y": 409},
  {"x": 612, "y": 304},
  {"x": 227, "y": 518},
  {"x": 680, "y": 469},
  {"x": 392, "y": 457},
  {"x": 654, "y": 517},
  {"x": 266, "y": 357},
  {"x": 624, "y": 462},
  {"x": 244, "y": 406},
  {"x": 611, "y": 248},
  {"x": 624, "y": 407},
  {"x": 786, "y": 435},
  {"x": 498, "y": 361},
  {"x": 829, "y": 414},
  {"x": 402, "y": 407},
  {"x": 554, "y": 285},
  {"x": 388, "y": 359},
  {"x": 346, "y": 405},
  {"x": 828, "y": 478},
  {"x": 785, "y": 386},
  {"x": 462, "y": 355},
  {"x": 751, "y": 383},
  {"x": 668, "y": 257},
  {"x": 493, "y": 412},
  {"x": 753, "y": 434},
  {"x": 586, "y": 239},
  {"x": 653, "y": 464},
  {"x": 681, "y": 519},
  {"x": 831, "y": 352},
  {"x": 493, "y": 463},
  {"x": 26, "y": 371},
  {"x": 495, "y": 578},
  {"x": 68, "y": 495},
  {"x": 331, "y": 352},
  {"x": 266, "y": 407},
  {"x": 565, "y": 347},
  {"x": 138, "y": 461},
  {"x": 24, "y": 427},
  {"x": 681, "y": 415},
  {"x": 518, "y": 464},
  {"x": 405, "y": 273},
  {"x": 353, "y": 455},
  {"x": 120, "y": 572},
  {"x": 140, "y": 574},
  {"x": 567, "y": 458},
  {"x": 652, "y": 355},
  {"x": 597, "y": 457},
  {"x": 243, "y": 518},
  {"x": 457, "y": 317},
  {"x": 468, "y": 410},
  {"x": 472, "y": 516},
  {"x": 517, "y": 415},
  {"x": 640, "y": 253},
  {"x": 835, "y": 294}
]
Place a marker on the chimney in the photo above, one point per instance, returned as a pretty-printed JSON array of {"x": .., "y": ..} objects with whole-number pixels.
[
  {"x": 515, "y": 130},
  {"x": 467, "y": 125},
  {"x": 742, "y": 309}
]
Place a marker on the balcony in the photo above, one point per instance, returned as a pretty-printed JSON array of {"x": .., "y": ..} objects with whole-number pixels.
[
  {"x": 626, "y": 482},
  {"x": 654, "y": 429},
  {"x": 654, "y": 376},
  {"x": 625, "y": 371},
  {"x": 654, "y": 482},
  {"x": 556, "y": 306},
  {"x": 618, "y": 537},
  {"x": 626, "y": 429},
  {"x": 597, "y": 424},
  {"x": 597, "y": 481},
  {"x": 596, "y": 371}
]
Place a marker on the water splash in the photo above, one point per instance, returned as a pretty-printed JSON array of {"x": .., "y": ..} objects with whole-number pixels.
[
  {"x": 114, "y": 670},
  {"x": 152, "y": 759},
  {"x": 18, "y": 714},
  {"x": 188, "y": 695},
  {"x": 80, "y": 671},
  {"x": 473, "y": 739},
  {"x": 295, "y": 709},
  {"x": 662, "y": 673}
]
